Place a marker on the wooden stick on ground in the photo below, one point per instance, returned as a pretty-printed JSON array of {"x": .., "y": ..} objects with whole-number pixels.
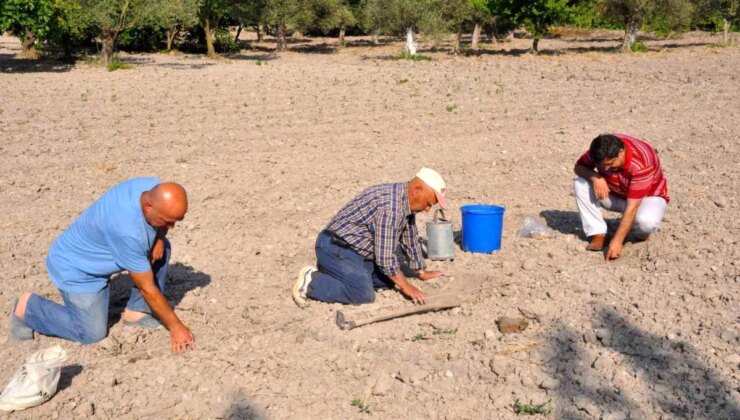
[{"x": 347, "y": 324}]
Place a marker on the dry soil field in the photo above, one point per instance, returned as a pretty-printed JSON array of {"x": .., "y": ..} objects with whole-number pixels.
[{"x": 270, "y": 147}]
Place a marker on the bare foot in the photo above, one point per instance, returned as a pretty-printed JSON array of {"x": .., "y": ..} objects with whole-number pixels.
[
  {"x": 597, "y": 243},
  {"x": 132, "y": 316}
]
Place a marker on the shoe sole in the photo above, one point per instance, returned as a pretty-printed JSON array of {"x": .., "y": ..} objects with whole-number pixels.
[{"x": 296, "y": 290}]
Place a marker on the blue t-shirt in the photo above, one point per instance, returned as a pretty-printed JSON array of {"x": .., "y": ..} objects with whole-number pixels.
[{"x": 108, "y": 237}]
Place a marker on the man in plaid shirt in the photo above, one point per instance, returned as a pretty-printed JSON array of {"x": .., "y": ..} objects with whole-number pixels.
[
  {"x": 356, "y": 252},
  {"x": 620, "y": 173}
]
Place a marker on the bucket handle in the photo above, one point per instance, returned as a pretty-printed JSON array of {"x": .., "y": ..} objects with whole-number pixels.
[{"x": 436, "y": 214}]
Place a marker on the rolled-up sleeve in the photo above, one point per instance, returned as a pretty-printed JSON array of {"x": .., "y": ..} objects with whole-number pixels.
[
  {"x": 385, "y": 243},
  {"x": 410, "y": 244}
]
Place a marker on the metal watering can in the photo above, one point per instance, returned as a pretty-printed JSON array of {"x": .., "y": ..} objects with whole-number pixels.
[{"x": 440, "y": 240}]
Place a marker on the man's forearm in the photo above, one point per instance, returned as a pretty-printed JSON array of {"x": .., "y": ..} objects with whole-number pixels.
[
  {"x": 399, "y": 280},
  {"x": 155, "y": 299},
  {"x": 585, "y": 172},
  {"x": 628, "y": 219}
]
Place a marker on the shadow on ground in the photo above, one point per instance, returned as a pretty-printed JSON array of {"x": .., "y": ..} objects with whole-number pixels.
[
  {"x": 243, "y": 409},
  {"x": 68, "y": 373},
  {"x": 641, "y": 375},
  {"x": 182, "y": 279},
  {"x": 9, "y": 63}
]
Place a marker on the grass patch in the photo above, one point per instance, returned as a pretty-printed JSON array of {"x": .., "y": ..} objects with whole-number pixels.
[
  {"x": 117, "y": 64},
  {"x": 639, "y": 47},
  {"x": 419, "y": 337},
  {"x": 402, "y": 81},
  {"x": 532, "y": 409},
  {"x": 451, "y": 108},
  {"x": 405, "y": 55},
  {"x": 445, "y": 331},
  {"x": 361, "y": 406}
]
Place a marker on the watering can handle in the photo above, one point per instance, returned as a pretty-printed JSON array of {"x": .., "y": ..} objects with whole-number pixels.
[{"x": 436, "y": 214}]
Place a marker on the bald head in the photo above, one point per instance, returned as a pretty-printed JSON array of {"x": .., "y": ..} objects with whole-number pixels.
[{"x": 164, "y": 205}]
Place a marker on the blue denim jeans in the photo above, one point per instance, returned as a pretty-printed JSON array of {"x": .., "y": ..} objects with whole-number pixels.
[
  {"x": 84, "y": 316},
  {"x": 344, "y": 276}
]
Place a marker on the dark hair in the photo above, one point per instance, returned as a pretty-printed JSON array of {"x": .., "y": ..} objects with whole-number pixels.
[{"x": 605, "y": 146}]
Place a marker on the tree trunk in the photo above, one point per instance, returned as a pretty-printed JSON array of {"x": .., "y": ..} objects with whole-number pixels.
[
  {"x": 410, "y": 44},
  {"x": 210, "y": 31},
  {"x": 476, "y": 38},
  {"x": 171, "y": 34},
  {"x": 726, "y": 31},
  {"x": 633, "y": 34},
  {"x": 535, "y": 45},
  {"x": 627, "y": 41},
  {"x": 238, "y": 32},
  {"x": 28, "y": 45},
  {"x": 282, "y": 43},
  {"x": 342, "y": 31},
  {"x": 456, "y": 42},
  {"x": 109, "y": 45},
  {"x": 260, "y": 33}
]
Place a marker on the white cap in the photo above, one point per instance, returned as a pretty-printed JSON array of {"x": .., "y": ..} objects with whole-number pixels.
[{"x": 435, "y": 182}]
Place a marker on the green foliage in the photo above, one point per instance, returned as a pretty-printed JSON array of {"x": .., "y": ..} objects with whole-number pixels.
[
  {"x": 327, "y": 15},
  {"x": 117, "y": 64},
  {"x": 538, "y": 16},
  {"x": 531, "y": 409},
  {"x": 224, "y": 42},
  {"x": 420, "y": 337},
  {"x": 639, "y": 47},
  {"x": 141, "y": 38},
  {"x": 173, "y": 14},
  {"x": 394, "y": 17},
  {"x": 405, "y": 55},
  {"x": 360, "y": 404},
  {"x": 446, "y": 331},
  {"x": 21, "y": 16}
]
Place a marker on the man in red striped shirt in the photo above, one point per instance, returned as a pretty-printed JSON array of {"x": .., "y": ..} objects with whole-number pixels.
[{"x": 623, "y": 174}]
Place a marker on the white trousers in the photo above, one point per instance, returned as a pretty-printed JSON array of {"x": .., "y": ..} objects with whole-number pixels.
[{"x": 647, "y": 220}]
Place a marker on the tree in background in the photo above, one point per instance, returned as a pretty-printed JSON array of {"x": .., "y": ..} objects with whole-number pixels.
[
  {"x": 480, "y": 14},
  {"x": 669, "y": 14},
  {"x": 110, "y": 18},
  {"x": 727, "y": 11},
  {"x": 329, "y": 15},
  {"x": 248, "y": 13},
  {"x": 210, "y": 13},
  {"x": 70, "y": 26},
  {"x": 284, "y": 16},
  {"x": 395, "y": 17},
  {"x": 538, "y": 16},
  {"x": 173, "y": 16},
  {"x": 29, "y": 20}
]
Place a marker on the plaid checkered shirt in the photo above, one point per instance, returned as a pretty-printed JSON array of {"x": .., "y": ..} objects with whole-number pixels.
[{"x": 376, "y": 222}]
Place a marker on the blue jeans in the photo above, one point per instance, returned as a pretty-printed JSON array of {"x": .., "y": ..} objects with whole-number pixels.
[
  {"x": 344, "y": 276},
  {"x": 84, "y": 316}
]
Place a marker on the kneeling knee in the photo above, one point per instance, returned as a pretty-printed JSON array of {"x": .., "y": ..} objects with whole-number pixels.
[
  {"x": 646, "y": 225},
  {"x": 94, "y": 335},
  {"x": 363, "y": 296}
]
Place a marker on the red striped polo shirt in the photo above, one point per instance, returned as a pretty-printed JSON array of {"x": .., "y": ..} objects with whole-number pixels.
[{"x": 640, "y": 177}]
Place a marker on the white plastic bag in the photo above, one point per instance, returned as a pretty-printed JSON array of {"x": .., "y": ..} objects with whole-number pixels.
[
  {"x": 533, "y": 228},
  {"x": 36, "y": 381}
]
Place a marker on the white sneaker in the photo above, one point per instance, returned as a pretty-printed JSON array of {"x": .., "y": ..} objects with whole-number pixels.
[{"x": 300, "y": 287}]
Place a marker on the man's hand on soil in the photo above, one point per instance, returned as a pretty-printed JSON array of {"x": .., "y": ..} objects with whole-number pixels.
[
  {"x": 414, "y": 294},
  {"x": 182, "y": 339},
  {"x": 614, "y": 251},
  {"x": 424, "y": 275}
]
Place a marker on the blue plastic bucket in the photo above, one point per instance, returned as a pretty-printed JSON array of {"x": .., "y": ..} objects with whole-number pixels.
[{"x": 481, "y": 228}]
